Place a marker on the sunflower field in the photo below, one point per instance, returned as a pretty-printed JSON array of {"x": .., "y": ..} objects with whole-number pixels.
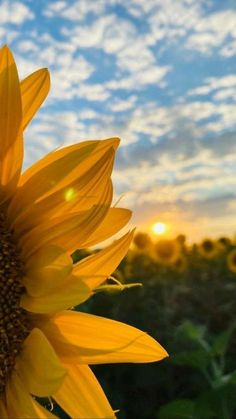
[{"x": 187, "y": 301}]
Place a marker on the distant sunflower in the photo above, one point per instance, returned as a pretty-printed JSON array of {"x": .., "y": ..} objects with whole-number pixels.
[
  {"x": 182, "y": 240},
  {"x": 180, "y": 264},
  {"x": 142, "y": 241},
  {"x": 167, "y": 251},
  {"x": 59, "y": 204},
  {"x": 224, "y": 242},
  {"x": 209, "y": 248},
  {"x": 231, "y": 261}
]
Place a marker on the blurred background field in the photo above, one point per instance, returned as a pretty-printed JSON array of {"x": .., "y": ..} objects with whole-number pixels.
[{"x": 188, "y": 303}]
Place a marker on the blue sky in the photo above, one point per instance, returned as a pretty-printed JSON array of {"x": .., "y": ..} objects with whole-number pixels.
[{"x": 160, "y": 74}]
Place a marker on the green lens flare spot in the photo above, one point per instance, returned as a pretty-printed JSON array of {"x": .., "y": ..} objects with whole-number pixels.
[{"x": 70, "y": 194}]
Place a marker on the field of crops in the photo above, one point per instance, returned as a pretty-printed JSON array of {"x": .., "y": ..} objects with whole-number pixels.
[{"x": 187, "y": 301}]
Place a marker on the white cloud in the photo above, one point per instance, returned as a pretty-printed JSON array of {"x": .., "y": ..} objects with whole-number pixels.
[
  {"x": 50, "y": 130},
  {"x": 229, "y": 49},
  {"x": 92, "y": 92},
  {"x": 179, "y": 120},
  {"x": 225, "y": 94},
  {"x": 88, "y": 114},
  {"x": 27, "y": 46},
  {"x": 15, "y": 12},
  {"x": 68, "y": 70},
  {"x": 196, "y": 111},
  {"x": 212, "y": 31},
  {"x": 90, "y": 35},
  {"x": 55, "y": 8},
  {"x": 173, "y": 20},
  {"x": 212, "y": 84},
  {"x": 123, "y": 105},
  {"x": 74, "y": 11},
  {"x": 121, "y": 38},
  {"x": 146, "y": 192},
  {"x": 139, "y": 79},
  {"x": 68, "y": 73},
  {"x": 164, "y": 181},
  {"x": 3, "y": 33},
  {"x": 168, "y": 21},
  {"x": 201, "y": 31}
]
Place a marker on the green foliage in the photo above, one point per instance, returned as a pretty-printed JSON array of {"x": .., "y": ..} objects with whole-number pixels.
[
  {"x": 216, "y": 400},
  {"x": 191, "y": 331},
  {"x": 221, "y": 342},
  {"x": 195, "y": 359},
  {"x": 178, "y": 409},
  {"x": 192, "y": 314}
]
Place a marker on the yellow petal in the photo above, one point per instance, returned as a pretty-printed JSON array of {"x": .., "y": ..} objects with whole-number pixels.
[
  {"x": 115, "y": 220},
  {"x": 70, "y": 293},
  {"x": 81, "y": 193},
  {"x": 3, "y": 411},
  {"x": 90, "y": 339},
  {"x": 11, "y": 149},
  {"x": 81, "y": 396},
  {"x": 46, "y": 270},
  {"x": 38, "y": 365},
  {"x": 68, "y": 231},
  {"x": 42, "y": 413},
  {"x": 10, "y": 99},
  {"x": 96, "y": 268},
  {"x": 34, "y": 90},
  {"x": 20, "y": 404},
  {"x": 47, "y": 175},
  {"x": 10, "y": 169},
  {"x": 56, "y": 171},
  {"x": 63, "y": 152}
]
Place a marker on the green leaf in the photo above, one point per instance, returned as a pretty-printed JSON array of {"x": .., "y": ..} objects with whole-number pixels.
[
  {"x": 203, "y": 409},
  {"x": 221, "y": 342},
  {"x": 216, "y": 403},
  {"x": 178, "y": 409},
  {"x": 225, "y": 380},
  {"x": 196, "y": 359},
  {"x": 191, "y": 331},
  {"x": 231, "y": 378}
]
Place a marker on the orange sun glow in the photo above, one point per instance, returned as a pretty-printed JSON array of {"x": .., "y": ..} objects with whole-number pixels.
[{"x": 159, "y": 228}]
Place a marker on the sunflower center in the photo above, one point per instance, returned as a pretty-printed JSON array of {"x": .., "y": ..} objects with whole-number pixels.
[{"x": 14, "y": 324}]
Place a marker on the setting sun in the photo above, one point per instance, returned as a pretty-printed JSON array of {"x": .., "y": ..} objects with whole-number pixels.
[{"x": 159, "y": 228}]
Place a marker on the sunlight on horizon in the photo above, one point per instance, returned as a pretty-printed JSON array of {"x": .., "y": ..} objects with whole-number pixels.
[{"x": 159, "y": 228}]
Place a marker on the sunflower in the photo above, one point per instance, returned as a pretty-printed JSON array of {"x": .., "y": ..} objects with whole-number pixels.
[
  {"x": 231, "y": 261},
  {"x": 61, "y": 203},
  {"x": 142, "y": 241},
  {"x": 224, "y": 242},
  {"x": 166, "y": 251},
  {"x": 180, "y": 264},
  {"x": 182, "y": 240},
  {"x": 209, "y": 249}
]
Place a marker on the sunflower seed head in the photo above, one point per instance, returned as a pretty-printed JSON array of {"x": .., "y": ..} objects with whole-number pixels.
[{"x": 14, "y": 322}]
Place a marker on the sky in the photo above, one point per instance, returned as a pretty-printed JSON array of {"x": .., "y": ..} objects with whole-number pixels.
[{"x": 160, "y": 74}]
